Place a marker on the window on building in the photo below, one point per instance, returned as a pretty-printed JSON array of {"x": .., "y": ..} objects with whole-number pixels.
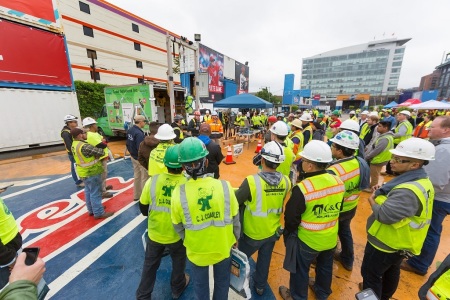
[
  {"x": 84, "y": 7},
  {"x": 139, "y": 64},
  {"x": 395, "y": 70},
  {"x": 400, "y": 50},
  {"x": 97, "y": 75},
  {"x": 396, "y": 63},
  {"x": 135, "y": 27},
  {"x": 91, "y": 53},
  {"x": 137, "y": 46},
  {"x": 88, "y": 31}
]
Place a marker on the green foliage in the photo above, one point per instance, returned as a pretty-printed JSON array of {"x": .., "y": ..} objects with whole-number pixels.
[
  {"x": 294, "y": 107},
  {"x": 266, "y": 95},
  {"x": 90, "y": 98}
]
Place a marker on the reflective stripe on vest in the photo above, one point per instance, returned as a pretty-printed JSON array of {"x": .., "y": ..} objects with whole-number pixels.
[
  {"x": 153, "y": 206},
  {"x": 441, "y": 287},
  {"x": 321, "y": 193},
  {"x": 431, "y": 296},
  {"x": 83, "y": 163},
  {"x": 259, "y": 200},
  {"x": 217, "y": 223},
  {"x": 343, "y": 175},
  {"x": 317, "y": 226},
  {"x": 413, "y": 224}
]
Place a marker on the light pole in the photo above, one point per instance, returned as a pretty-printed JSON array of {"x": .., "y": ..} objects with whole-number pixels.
[{"x": 197, "y": 38}]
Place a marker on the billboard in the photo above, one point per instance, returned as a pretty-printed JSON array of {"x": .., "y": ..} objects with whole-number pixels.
[
  {"x": 30, "y": 56},
  {"x": 42, "y": 12},
  {"x": 211, "y": 63},
  {"x": 242, "y": 78}
]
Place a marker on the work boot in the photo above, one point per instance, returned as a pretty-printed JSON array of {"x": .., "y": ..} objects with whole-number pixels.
[
  {"x": 285, "y": 293},
  {"x": 109, "y": 187},
  {"x": 337, "y": 257},
  {"x": 104, "y": 216},
  {"x": 91, "y": 214},
  {"x": 408, "y": 268},
  {"x": 107, "y": 195},
  {"x": 178, "y": 295}
]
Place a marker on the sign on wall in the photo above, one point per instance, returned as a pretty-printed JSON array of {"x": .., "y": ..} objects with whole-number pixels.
[{"x": 242, "y": 78}]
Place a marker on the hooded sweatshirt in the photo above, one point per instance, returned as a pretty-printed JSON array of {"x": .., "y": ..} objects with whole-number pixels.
[
  {"x": 148, "y": 144},
  {"x": 215, "y": 155}
]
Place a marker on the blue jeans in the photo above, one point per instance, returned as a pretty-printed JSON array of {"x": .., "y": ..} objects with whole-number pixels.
[
  {"x": 73, "y": 170},
  {"x": 4, "y": 276},
  {"x": 380, "y": 271},
  {"x": 298, "y": 282},
  {"x": 264, "y": 248},
  {"x": 423, "y": 261},
  {"x": 200, "y": 280},
  {"x": 93, "y": 194},
  {"x": 345, "y": 236},
  {"x": 153, "y": 256}
]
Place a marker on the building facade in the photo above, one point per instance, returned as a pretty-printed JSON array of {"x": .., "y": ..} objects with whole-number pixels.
[
  {"x": 430, "y": 81},
  {"x": 444, "y": 81},
  {"x": 371, "y": 68}
]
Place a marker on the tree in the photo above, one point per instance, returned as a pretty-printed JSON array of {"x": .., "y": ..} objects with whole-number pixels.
[{"x": 266, "y": 95}]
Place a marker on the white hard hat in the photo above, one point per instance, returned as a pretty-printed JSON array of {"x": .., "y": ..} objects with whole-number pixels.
[
  {"x": 239, "y": 113},
  {"x": 297, "y": 123},
  {"x": 352, "y": 112},
  {"x": 415, "y": 148},
  {"x": 68, "y": 118},
  {"x": 207, "y": 111},
  {"x": 350, "y": 125},
  {"x": 317, "y": 151},
  {"x": 346, "y": 139},
  {"x": 88, "y": 121},
  {"x": 279, "y": 128},
  {"x": 214, "y": 113},
  {"x": 306, "y": 117},
  {"x": 272, "y": 151},
  {"x": 165, "y": 133},
  {"x": 365, "y": 112},
  {"x": 373, "y": 113},
  {"x": 405, "y": 112}
]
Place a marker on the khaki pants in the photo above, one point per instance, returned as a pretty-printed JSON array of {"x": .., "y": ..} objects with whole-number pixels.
[
  {"x": 375, "y": 171},
  {"x": 140, "y": 177}
]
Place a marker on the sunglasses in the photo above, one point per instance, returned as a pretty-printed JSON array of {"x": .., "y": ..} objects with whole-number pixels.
[{"x": 400, "y": 161}]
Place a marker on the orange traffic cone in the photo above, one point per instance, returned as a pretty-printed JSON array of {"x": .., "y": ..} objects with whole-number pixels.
[
  {"x": 259, "y": 147},
  {"x": 229, "y": 158}
]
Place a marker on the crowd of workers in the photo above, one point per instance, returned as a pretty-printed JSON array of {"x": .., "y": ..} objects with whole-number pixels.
[{"x": 319, "y": 163}]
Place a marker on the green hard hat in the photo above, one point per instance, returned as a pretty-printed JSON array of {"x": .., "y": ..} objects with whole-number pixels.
[
  {"x": 191, "y": 149},
  {"x": 171, "y": 157},
  {"x": 320, "y": 115},
  {"x": 335, "y": 112}
]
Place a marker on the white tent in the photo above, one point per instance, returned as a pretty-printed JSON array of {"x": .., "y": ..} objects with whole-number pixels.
[{"x": 431, "y": 104}]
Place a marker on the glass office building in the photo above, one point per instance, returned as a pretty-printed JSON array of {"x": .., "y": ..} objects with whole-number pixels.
[
  {"x": 371, "y": 68},
  {"x": 444, "y": 81}
]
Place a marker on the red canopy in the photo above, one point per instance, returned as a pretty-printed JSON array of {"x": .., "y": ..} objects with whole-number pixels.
[{"x": 410, "y": 102}]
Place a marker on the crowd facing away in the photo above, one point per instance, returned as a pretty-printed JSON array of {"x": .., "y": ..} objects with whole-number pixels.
[{"x": 312, "y": 170}]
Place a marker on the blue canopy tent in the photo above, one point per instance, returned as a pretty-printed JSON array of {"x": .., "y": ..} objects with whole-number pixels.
[
  {"x": 391, "y": 105},
  {"x": 243, "y": 101}
]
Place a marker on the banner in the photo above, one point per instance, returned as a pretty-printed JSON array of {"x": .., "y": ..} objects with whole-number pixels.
[
  {"x": 241, "y": 78},
  {"x": 211, "y": 62}
]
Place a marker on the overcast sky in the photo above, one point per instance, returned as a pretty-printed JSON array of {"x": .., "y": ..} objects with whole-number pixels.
[{"x": 274, "y": 36}]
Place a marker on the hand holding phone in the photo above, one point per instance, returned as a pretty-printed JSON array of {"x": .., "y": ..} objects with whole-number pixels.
[{"x": 32, "y": 255}]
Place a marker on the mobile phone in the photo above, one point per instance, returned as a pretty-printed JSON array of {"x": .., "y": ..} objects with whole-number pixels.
[
  {"x": 32, "y": 255},
  {"x": 366, "y": 294}
]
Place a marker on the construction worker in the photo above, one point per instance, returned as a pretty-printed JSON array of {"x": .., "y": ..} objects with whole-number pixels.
[
  {"x": 421, "y": 131},
  {"x": 402, "y": 131},
  {"x": 263, "y": 195},
  {"x": 263, "y": 117},
  {"x": 155, "y": 204},
  {"x": 401, "y": 217},
  {"x": 307, "y": 130},
  {"x": 215, "y": 155},
  {"x": 239, "y": 121},
  {"x": 205, "y": 214},
  {"x": 271, "y": 120},
  {"x": 311, "y": 224},
  {"x": 371, "y": 135},
  {"x": 437, "y": 286},
  {"x": 378, "y": 155},
  {"x": 89, "y": 168},
  {"x": 353, "y": 126},
  {"x": 322, "y": 121},
  {"x": 165, "y": 135},
  {"x": 334, "y": 124},
  {"x": 194, "y": 124},
  {"x": 70, "y": 122},
  {"x": 279, "y": 133},
  {"x": 176, "y": 125},
  {"x": 347, "y": 167},
  {"x": 256, "y": 120},
  {"x": 97, "y": 140},
  {"x": 363, "y": 126},
  {"x": 386, "y": 116},
  {"x": 207, "y": 117},
  {"x": 10, "y": 241},
  {"x": 296, "y": 136},
  {"x": 135, "y": 136},
  {"x": 216, "y": 127},
  {"x": 352, "y": 116}
]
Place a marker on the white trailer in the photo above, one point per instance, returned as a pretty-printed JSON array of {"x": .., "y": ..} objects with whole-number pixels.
[{"x": 34, "y": 118}]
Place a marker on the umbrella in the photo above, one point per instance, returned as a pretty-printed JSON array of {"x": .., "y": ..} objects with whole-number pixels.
[
  {"x": 410, "y": 102},
  {"x": 243, "y": 101},
  {"x": 431, "y": 104}
]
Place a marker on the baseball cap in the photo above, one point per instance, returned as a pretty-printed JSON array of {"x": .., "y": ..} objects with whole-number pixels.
[{"x": 76, "y": 131}]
